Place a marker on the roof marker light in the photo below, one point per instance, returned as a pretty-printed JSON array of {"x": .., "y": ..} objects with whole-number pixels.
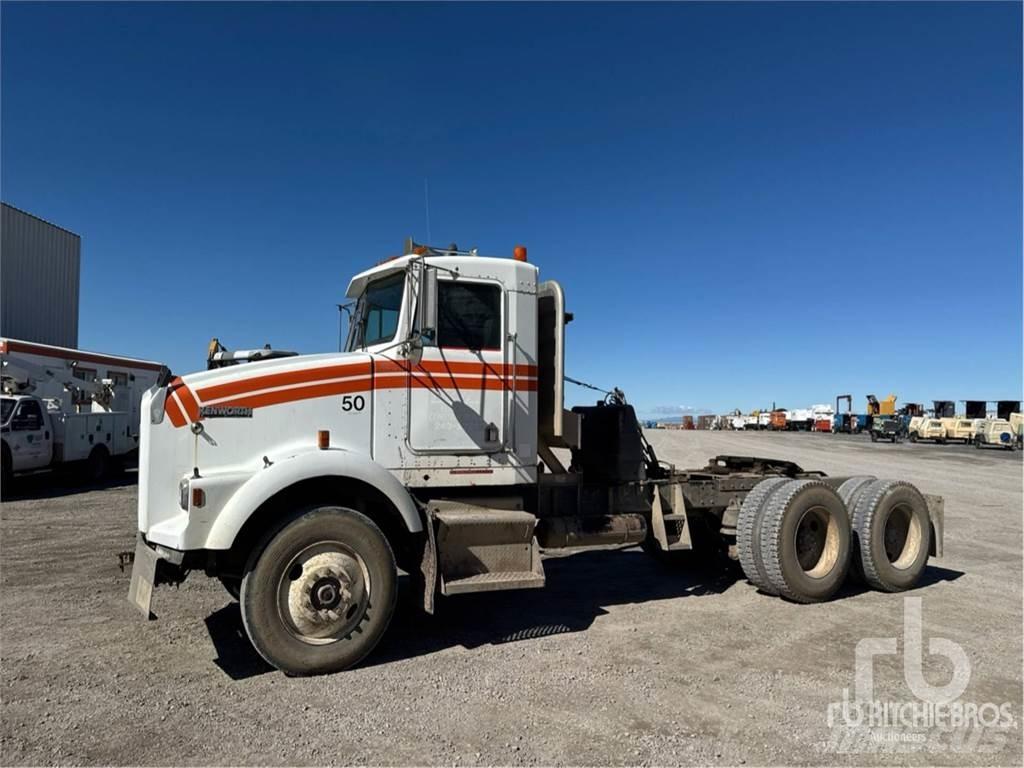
[{"x": 519, "y": 253}]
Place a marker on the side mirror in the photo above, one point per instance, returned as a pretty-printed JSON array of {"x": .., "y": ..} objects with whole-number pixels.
[{"x": 426, "y": 321}]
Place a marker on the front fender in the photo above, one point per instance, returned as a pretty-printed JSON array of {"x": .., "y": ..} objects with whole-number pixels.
[{"x": 306, "y": 466}]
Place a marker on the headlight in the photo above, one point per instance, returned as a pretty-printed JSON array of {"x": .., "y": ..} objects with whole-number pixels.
[
  {"x": 183, "y": 494},
  {"x": 157, "y": 396}
]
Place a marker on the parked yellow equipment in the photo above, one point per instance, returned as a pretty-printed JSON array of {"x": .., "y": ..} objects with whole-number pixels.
[
  {"x": 958, "y": 428},
  {"x": 1017, "y": 422},
  {"x": 885, "y": 407},
  {"x": 925, "y": 428}
]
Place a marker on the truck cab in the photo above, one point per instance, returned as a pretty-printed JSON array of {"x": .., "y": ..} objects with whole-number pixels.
[
  {"x": 886, "y": 428},
  {"x": 437, "y": 386},
  {"x": 27, "y": 436}
]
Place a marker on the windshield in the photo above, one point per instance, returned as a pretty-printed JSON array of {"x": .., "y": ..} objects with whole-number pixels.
[
  {"x": 376, "y": 317},
  {"x": 6, "y": 408}
]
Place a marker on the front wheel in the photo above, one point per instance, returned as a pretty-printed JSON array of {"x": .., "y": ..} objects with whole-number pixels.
[
  {"x": 913, "y": 437},
  {"x": 320, "y": 594},
  {"x": 97, "y": 466},
  {"x": 8, "y": 468}
]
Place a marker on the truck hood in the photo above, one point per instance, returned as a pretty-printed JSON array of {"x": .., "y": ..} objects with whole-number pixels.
[
  {"x": 219, "y": 424},
  {"x": 235, "y": 391}
]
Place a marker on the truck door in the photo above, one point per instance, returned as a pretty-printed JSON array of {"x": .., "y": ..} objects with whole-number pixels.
[
  {"x": 458, "y": 394},
  {"x": 30, "y": 436}
]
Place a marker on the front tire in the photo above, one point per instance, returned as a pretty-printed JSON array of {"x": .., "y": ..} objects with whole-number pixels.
[
  {"x": 8, "y": 469},
  {"x": 97, "y": 466},
  {"x": 319, "y": 595}
]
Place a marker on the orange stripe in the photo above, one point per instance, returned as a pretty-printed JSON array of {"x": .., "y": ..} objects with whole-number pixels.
[
  {"x": 437, "y": 381},
  {"x": 442, "y": 366},
  {"x": 345, "y": 387},
  {"x": 397, "y": 377},
  {"x": 188, "y": 402},
  {"x": 173, "y": 411},
  {"x": 298, "y": 393},
  {"x": 303, "y": 376},
  {"x": 13, "y": 345}
]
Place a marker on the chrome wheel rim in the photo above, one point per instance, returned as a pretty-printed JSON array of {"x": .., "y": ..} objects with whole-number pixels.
[
  {"x": 323, "y": 593},
  {"x": 901, "y": 536},
  {"x": 817, "y": 542}
]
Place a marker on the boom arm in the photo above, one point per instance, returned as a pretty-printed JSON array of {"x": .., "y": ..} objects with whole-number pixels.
[{"x": 20, "y": 377}]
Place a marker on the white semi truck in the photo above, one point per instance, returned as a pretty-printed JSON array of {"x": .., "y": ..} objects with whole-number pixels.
[
  {"x": 306, "y": 483},
  {"x": 61, "y": 406}
]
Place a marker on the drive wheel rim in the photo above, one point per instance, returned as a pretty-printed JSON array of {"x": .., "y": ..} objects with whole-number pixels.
[
  {"x": 901, "y": 537},
  {"x": 817, "y": 542},
  {"x": 323, "y": 593}
]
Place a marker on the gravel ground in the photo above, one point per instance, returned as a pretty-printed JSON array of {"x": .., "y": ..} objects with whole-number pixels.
[{"x": 618, "y": 661}]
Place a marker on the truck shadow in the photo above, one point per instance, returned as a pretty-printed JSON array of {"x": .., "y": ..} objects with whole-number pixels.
[
  {"x": 52, "y": 485},
  {"x": 579, "y": 588}
]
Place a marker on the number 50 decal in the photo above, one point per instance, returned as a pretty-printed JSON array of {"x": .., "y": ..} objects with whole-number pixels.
[{"x": 350, "y": 403}]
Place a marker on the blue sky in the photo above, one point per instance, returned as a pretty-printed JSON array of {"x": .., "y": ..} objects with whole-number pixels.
[{"x": 744, "y": 203}]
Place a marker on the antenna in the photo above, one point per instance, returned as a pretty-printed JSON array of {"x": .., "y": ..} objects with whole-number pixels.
[{"x": 426, "y": 206}]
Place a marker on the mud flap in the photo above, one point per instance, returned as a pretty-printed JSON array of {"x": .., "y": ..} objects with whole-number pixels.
[
  {"x": 140, "y": 590},
  {"x": 428, "y": 564},
  {"x": 936, "y": 515}
]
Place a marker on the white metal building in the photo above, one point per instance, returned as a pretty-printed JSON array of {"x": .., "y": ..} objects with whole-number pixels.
[{"x": 40, "y": 269}]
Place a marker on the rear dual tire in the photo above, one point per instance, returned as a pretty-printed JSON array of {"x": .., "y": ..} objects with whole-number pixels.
[
  {"x": 800, "y": 538},
  {"x": 892, "y": 535},
  {"x": 806, "y": 541},
  {"x": 748, "y": 532}
]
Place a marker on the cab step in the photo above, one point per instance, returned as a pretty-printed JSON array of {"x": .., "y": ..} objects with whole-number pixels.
[
  {"x": 668, "y": 518},
  {"x": 484, "y": 548},
  {"x": 486, "y": 582}
]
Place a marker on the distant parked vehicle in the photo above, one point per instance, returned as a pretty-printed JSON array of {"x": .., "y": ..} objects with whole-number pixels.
[
  {"x": 959, "y": 429},
  {"x": 824, "y": 424},
  {"x": 1017, "y": 422},
  {"x": 997, "y": 432},
  {"x": 886, "y": 428},
  {"x": 925, "y": 428}
]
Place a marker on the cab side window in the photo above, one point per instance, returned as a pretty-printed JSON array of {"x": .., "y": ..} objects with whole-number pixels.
[
  {"x": 28, "y": 416},
  {"x": 468, "y": 315}
]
